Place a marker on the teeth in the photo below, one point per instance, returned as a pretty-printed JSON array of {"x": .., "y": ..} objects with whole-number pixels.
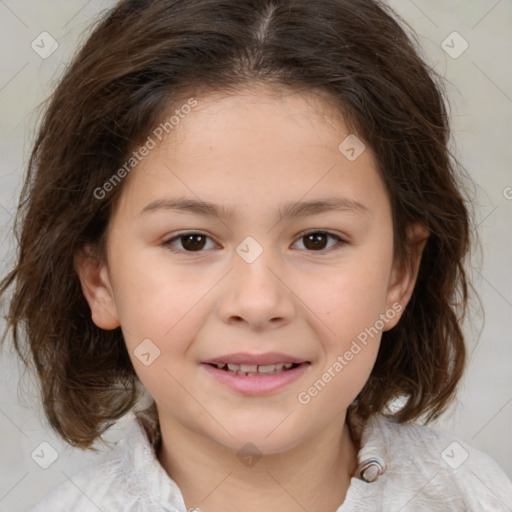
[
  {"x": 269, "y": 368},
  {"x": 248, "y": 368},
  {"x": 252, "y": 369}
]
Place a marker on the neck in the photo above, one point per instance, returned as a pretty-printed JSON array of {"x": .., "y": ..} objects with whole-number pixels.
[{"x": 313, "y": 476}]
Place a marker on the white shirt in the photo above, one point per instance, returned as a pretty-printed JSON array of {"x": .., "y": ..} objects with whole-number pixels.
[{"x": 425, "y": 470}]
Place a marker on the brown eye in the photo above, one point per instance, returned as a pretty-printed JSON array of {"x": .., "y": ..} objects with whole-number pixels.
[
  {"x": 317, "y": 240},
  {"x": 190, "y": 242},
  {"x": 193, "y": 242}
]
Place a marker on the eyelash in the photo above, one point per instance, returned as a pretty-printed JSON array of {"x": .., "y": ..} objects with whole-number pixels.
[{"x": 178, "y": 236}]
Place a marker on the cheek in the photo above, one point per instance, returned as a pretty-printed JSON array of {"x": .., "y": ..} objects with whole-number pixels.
[
  {"x": 351, "y": 297},
  {"x": 352, "y": 310},
  {"x": 159, "y": 311},
  {"x": 155, "y": 301},
  {"x": 352, "y": 304}
]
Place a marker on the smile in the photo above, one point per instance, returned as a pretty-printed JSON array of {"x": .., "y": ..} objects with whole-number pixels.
[
  {"x": 253, "y": 369},
  {"x": 254, "y": 380}
]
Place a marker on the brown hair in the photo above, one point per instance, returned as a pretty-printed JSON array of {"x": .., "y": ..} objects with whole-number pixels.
[{"x": 140, "y": 58}]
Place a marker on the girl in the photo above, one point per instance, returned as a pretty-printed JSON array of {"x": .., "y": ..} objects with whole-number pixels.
[{"x": 248, "y": 208}]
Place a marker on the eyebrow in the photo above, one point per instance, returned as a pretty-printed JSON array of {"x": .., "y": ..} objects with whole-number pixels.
[{"x": 294, "y": 209}]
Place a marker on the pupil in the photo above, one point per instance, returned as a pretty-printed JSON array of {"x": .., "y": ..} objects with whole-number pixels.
[
  {"x": 189, "y": 244},
  {"x": 316, "y": 238}
]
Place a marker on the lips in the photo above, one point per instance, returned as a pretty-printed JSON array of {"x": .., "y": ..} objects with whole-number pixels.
[{"x": 257, "y": 383}]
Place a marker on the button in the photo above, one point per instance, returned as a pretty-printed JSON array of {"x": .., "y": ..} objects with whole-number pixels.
[{"x": 370, "y": 469}]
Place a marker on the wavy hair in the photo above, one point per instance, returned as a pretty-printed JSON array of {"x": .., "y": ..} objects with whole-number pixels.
[{"x": 140, "y": 59}]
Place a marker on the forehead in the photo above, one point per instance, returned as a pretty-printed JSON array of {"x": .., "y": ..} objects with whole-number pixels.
[
  {"x": 250, "y": 108},
  {"x": 263, "y": 147}
]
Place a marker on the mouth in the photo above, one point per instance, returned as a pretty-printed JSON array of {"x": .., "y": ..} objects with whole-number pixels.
[
  {"x": 256, "y": 374},
  {"x": 247, "y": 370}
]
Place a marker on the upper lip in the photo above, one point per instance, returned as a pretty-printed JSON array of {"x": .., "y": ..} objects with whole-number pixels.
[{"x": 258, "y": 359}]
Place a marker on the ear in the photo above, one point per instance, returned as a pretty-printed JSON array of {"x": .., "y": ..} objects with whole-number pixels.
[
  {"x": 403, "y": 275},
  {"x": 96, "y": 287}
]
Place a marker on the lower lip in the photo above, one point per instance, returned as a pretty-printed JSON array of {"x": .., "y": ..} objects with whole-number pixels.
[{"x": 256, "y": 384}]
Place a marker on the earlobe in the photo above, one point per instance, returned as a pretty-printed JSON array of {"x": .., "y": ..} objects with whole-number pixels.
[
  {"x": 97, "y": 289},
  {"x": 404, "y": 275}
]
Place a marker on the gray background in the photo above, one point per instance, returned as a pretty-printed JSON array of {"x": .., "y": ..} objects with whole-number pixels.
[{"x": 480, "y": 90}]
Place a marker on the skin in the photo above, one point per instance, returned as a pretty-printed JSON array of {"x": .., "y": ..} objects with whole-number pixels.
[{"x": 252, "y": 152}]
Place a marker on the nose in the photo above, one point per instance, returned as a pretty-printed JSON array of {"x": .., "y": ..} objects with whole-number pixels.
[{"x": 257, "y": 294}]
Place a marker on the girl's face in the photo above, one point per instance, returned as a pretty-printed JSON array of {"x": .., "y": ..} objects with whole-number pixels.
[{"x": 255, "y": 174}]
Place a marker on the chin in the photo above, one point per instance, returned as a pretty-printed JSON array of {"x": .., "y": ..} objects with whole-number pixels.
[{"x": 258, "y": 442}]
